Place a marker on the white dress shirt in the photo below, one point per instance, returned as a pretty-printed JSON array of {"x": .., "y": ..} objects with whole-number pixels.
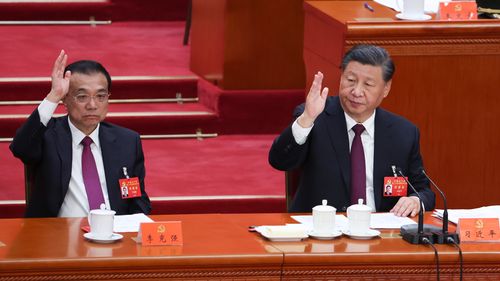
[
  {"x": 367, "y": 138},
  {"x": 76, "y": 203}
]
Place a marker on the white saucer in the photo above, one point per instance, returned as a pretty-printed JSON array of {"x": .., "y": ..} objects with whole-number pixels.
[
  {"x": 324, "y": 236},
  {"x": 370, "y": 234},
  {"x": 402, "y": 16},
  {"x": 114, "y": 237}
]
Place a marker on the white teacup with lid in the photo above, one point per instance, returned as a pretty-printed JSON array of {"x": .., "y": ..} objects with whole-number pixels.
[
  {"x": 324, "y": 218},
  {"x": 412, "y": 8},
  {"x": 359, "y": 218},
  {"x": 101, "y": 223}
]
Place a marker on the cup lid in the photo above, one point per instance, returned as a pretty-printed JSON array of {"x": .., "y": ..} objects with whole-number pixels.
[
  {"x": 360, "y": 206},
  {"x": 324, "y": 207}
]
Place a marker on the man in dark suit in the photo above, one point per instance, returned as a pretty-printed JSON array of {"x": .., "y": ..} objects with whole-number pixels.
[
  {"x": 320, "y": 139},
  {"x": 77, "y": 160}
]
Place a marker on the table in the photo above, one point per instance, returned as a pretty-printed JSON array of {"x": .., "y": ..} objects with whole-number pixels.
[
  {"x": 220, "y": 247},
  {"x": 54, "y": 249}
]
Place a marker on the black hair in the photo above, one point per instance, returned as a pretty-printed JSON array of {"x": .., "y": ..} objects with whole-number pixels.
[
  {"x": 371, "y": 55},
  {"x": 88, "y": 67}
]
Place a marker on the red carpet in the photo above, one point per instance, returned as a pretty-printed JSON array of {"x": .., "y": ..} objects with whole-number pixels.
[
  {"x": 116, "y": 10},
  {"x": 55, "y": 11},
  {"x": 123, "y": 87},
  {"x": 117, "y": 108},
  {"x": 145, "y": 118},
  {"x": 226, "y": 165},
  {"x": 124, "y": 48},
  {"x": 13, "y": 171},
  {"x": 250, "y": 111}
]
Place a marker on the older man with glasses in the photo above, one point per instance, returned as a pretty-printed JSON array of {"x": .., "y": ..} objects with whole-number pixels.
[{"x": 80, "y": 162}]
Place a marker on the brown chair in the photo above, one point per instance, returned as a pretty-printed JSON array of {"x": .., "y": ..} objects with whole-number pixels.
[
  {"x": 187, "y": 28},
  {"x": 292, "y": 179},
  {"x": 29, "y": 179}
]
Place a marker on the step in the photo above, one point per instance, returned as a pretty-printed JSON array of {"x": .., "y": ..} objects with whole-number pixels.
[
  {"x": 125, "y": 48},
  {"x": 116, "y": 10},
  {"x": 145, "y": 118},
  {"x": 185, "y": 205},
  {"x": 55, "y": 10},
  {"x": 229, "y": 173},
  {"x": 122, "y": 87}
]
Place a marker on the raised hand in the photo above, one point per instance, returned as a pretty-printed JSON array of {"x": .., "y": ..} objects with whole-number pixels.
[
  {"x": 315, "y": 102},
  {"x": 60, "y": 80}
]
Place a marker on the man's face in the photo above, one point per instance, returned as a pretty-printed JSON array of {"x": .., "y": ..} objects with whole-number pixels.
[
  {"x": 86, "y": 113},
  {"x": 362, "y": 89}
]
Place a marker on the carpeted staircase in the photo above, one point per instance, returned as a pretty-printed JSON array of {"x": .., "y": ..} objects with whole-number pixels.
[{"x": 205, "y": 148}]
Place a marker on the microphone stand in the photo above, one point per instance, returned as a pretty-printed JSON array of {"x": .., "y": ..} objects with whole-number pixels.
[
  {"x": 443, "y": 236},
  {"x": 421, "y": 234}
]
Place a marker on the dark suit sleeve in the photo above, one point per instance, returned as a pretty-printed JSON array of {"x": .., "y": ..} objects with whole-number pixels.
[
  {"x": 285, "y": 153},
  {"x": 28, "y": 141},
  {"x": 142, "y": 204},
  {"x": 419, "y": 181}
]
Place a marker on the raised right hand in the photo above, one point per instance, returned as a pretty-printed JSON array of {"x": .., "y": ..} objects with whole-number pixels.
[
  {"x": 60, "y": 80},
  {"x": 315, "y": 102}
]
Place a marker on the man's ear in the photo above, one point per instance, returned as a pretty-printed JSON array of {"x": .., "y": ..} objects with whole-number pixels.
[{"x": 387, "y": 88}]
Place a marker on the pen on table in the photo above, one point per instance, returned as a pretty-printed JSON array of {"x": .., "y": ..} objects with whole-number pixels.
[{"x": 368, "y": 7}]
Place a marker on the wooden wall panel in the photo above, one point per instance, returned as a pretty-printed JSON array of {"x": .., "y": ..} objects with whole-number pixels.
[
  {"x": 207, "y": 38},
  {"x": 248, "y": 44}
]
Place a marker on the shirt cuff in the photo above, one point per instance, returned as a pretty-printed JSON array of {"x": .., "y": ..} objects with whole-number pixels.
[
  {"x": 46, "y": 109},
  {"x": 300, "y": 134}
]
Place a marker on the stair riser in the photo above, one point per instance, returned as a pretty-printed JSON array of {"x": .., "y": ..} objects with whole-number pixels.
[
  {"x": 122, "y": 89},
  {"x": 55, "y": 11},
  {"x": 122, "y": 10},
  {"x": 150, "y": 125}
]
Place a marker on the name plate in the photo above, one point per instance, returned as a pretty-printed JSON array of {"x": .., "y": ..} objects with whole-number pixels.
[
  {"x": 161, "y": 233},
  {"x": 457, "y": 10},
  {"x": 479, "y": 230}
]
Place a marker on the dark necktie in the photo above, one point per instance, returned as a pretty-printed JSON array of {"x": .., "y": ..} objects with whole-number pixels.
[
  {"x": 90, "y": 176},
  {"x": 358, "y": 172}
]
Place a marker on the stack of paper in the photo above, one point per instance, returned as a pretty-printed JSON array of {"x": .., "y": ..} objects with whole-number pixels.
[
  {"x": 483, "y": 212},
  {"x": 378, "y": 220},
  {"x": 341, "y": 222},
  {"x": 430, "y": 6},
  {"x": 389, "y": 221},
  {"x": 129, "y": 223}
]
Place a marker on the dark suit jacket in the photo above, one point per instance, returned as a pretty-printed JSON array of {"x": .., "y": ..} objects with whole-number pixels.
[
  {"x": 48, "y": 153},
  {"x": 325, "y": 159}
]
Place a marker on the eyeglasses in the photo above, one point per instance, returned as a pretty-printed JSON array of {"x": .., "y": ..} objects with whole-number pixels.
[{"x": 86, "y": 98}]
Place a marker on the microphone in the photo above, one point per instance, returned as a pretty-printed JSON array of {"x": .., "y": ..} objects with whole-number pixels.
[
  {"x": 443, "y": 235},
  {"x": 421, "y": 234}
]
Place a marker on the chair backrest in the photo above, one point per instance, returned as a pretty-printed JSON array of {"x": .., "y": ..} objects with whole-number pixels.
[
  {"x": 29, "y": 179},
  {"x": 292, "y": 178}
]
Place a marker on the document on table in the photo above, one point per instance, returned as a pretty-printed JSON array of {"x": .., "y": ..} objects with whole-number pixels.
[
  {"x": 389, "y": 220},
  {"x": 129, "y": 223},
  {"x": 430, "y": 6},
  {"x": 482, "y": 212},
  {"x": 378, "y": 220},
  {"x": 341, "y": 222}
]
